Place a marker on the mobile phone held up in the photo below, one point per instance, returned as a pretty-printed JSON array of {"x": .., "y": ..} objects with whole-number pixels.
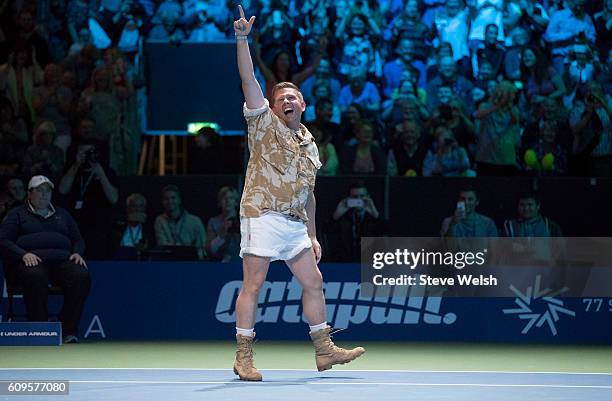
[{"x": 354, "y": 202}]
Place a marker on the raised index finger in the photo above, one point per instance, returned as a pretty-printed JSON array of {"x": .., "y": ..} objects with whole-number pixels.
[{"x": 241, "y": 11}]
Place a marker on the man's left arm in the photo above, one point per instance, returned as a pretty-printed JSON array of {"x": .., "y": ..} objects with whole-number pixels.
[{"x": 311, "y": 209}]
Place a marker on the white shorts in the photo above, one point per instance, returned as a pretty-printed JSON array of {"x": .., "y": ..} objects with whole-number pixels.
[{"x": 273, "y": 235}]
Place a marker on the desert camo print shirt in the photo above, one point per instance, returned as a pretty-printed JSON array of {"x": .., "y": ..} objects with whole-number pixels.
[{"x": 282, "y": 167}]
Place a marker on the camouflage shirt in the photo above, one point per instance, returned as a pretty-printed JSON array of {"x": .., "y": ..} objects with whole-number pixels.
[{"x": 282, "y": 167}]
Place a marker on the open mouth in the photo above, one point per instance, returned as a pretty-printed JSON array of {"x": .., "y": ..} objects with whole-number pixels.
[{"x": 289, "y": 112}]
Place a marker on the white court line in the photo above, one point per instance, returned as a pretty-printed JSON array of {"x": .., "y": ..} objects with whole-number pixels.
[
  {"x": 341, "y": 384},
  {"x": 504, "y": 372}
]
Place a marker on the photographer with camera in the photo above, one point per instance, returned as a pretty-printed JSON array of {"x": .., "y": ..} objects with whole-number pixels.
[
  {"x": 90, "y": 190},
  {"x": 356, "y": 216}
]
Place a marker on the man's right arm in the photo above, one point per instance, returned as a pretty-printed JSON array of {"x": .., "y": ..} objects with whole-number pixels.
[{"x": 253, "y": 95}]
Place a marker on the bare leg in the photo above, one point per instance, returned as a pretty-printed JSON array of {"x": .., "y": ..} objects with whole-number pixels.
[
  {"x": 254, "y": 270},
  {"x": 305, "y": 269}
]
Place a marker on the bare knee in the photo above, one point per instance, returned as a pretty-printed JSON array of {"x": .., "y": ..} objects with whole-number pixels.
[
  {"x": 251, "y": 287},
  {"x": 314, "y": 283},
  {"x": 255, "y": 269}
]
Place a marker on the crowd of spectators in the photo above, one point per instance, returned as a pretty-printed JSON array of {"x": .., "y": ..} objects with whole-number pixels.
[
  {"x": 493, "y": 87},
  {"x": 447, "y": 88},
  {"x": 393, "y": 87}
]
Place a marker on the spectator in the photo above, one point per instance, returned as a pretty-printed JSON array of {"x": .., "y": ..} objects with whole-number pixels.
[
  {"x": 316, "y": 36},
  {"x": 580, "y": 69},
  {"x": 603, "y": 28},
  {"x": 530, "y": 16},
  {"x": 133, "y": 234},
  {"x": 277, "y": 33},
  {"x": 451, "y": 24},
  {"x": 408, "y": 151},
  {"x": 546, "y": 156},
  {"x": 78, "y": 13},
  {"x": 446, "y": 158},
  {"x": 323, "y": 72},
  {"x": 53, "y": 102},
  {"x": 83, "y": 39},
  {"x": 499, "y": 137},
  {"x": 460, "y": 124},
  {"x": 281, "y": 69},
  {"x": 466, "y": 222},
  {"x": 324, "y": 110},
  {"x": 356, "y": 216},
  {"x": 359, "y": 57},
  {"x": 565, "y": 28},
  {"x": 366, "y": 157},
  {"x": 489, "y": 51},
  {"x": 176, "y": 226},
  {"x": 361, "y": 92},
  {"x": 539, "y": 80},
  {"x": 327, "y": 152},
  {"x": 464, "y": 65},
  {"x": 90, "y": 189},
  {"x": 82, "y": 65},
  {"x": 482, "y": 14},
  {"x": 605, "y": 77},
  {"x": 168, "y": 29},
  {"x": 44, "y": 157},
  {"x": 408, "y": 25},
  {"x": 167, "y": 7},
  {"x": 223, "y": 230},
  {"x": 13, "y": 138},
  {"x": 123, "y": 25},
  {"x": 101, "y": 103},
  {"x": 406, "y": 93},
  {"x": 16, "y": 192},
  {"x": 44, "y": 245},
  {"x": 321, "y": 90},
  {"x": 530, "y": 223},
  {"x": 19, "y": 77},
  {"x": 207, "y": 153},
  {"x": 590, "y": 121},
  {"x": 512, "y": 60},
  {"x": 28, "y": 33},
  {"x": 535, "y": 250},
  {"x": 86, "y": 130},
  {"x": 460, "y": 86},
  {"x": 348, "y": 125},
  {"x": 209, "y": 19},
  {"x": 105, "y": 102},
  {"x": 393, "y": 70}
]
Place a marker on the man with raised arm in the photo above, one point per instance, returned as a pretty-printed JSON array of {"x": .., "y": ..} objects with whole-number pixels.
[{"x": 277, "y": 210}]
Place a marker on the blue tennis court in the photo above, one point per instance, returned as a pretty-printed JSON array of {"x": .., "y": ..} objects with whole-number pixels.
[{"x": 221, "y": 384}]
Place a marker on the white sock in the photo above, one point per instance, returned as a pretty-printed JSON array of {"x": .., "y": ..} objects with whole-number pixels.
[
  {"x": 244, "y": 332},
  {"x": 318, "y": 327}
]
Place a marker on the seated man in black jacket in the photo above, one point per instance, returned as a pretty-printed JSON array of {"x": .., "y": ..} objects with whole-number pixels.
[{"x": 44, "y": 244}]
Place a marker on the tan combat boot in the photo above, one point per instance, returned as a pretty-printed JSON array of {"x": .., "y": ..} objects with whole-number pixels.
[
  {"x": 327, "y": 354},
  {"x": 243, "y": 366}
]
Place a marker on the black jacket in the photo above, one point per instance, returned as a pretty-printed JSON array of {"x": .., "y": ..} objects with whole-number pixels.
[{"x": 53, "y": 238}]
